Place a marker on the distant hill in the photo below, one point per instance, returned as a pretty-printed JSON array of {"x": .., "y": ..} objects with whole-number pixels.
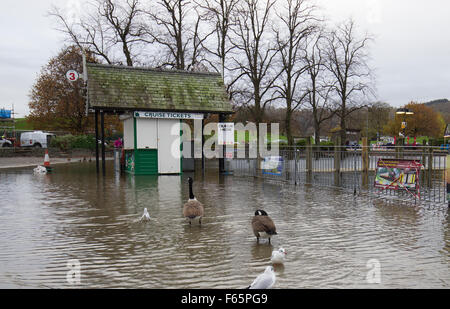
[{"x": 442, "y": 106}]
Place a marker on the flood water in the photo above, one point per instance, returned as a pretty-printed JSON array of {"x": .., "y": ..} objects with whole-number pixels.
[{"x": 330, "y": 236}]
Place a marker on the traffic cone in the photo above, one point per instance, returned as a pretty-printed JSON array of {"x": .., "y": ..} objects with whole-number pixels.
[{"x": 47, "y": 161}]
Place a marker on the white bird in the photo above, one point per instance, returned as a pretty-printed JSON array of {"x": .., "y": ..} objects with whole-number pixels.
[
  {"x": 265, "y": 280},
  {"x": 278, "y": 256},
  {"x": 145, "y": 216},
  {"x": 40, "y": 170}
]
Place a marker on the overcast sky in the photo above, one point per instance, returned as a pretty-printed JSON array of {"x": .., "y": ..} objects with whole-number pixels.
[{"x": 410, "y": 55}]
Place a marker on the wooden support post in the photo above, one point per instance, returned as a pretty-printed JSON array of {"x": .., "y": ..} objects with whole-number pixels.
[
  {"x": 337, "y": 161},
  {"x": 295, "y": 165},
  {"x": 365, "y": 163},
  {"x": 399, "y": 148},
  {"x": 308, "y": 160},
  {"x": 97, "y": 164},
  {"x": 424, "y": 158},
  {"x": 102, "y": 125},
  {"x": 430, "y": 167}
]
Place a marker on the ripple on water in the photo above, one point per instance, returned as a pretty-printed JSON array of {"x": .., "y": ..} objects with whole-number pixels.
[{"x": 329, "y": 235}]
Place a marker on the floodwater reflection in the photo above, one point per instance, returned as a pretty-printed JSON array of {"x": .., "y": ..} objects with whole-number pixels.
[{"x": 47, "y": 220}]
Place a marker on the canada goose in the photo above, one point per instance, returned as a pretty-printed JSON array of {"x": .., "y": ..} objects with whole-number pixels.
[
  {"x": 263, "y": 225},
  {"x": 145, "y": 216},
  {"x": 278, "y": 256},
  {"x": 265, "y": 280},
  {"x": 193, "y": 209}
]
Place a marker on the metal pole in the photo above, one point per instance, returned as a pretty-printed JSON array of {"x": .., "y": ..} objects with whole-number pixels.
[
  {"x": 102, "y": 123},
  {"x": 222, "y": 118},
  {"x": 295, "y": 165},
  {"x": 447, "y": 180},
  {"x": 203, "y": 144},
  {"x": 96, "y": 141}
]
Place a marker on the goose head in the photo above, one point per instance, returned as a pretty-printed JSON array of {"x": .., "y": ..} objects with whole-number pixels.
[
  {"x": 191, "y": 192},
  {"x": 260, "y": 212}
]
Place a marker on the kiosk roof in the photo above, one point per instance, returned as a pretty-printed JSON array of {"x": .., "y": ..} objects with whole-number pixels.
[{"x": 124, "y": 88}]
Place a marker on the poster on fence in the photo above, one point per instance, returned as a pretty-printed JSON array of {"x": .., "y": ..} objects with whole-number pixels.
[
  {"x": 272, "y": 165},
  {"x": 398, "y": 174}
]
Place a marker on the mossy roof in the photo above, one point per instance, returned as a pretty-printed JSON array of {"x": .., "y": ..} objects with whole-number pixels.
[{"x": 130, "y": 88}]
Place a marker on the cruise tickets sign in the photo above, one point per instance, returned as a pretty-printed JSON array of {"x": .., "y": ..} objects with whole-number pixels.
[{"x": 167, "y": 115}]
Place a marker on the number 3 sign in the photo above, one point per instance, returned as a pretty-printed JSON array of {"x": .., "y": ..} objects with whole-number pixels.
[{"x": 72, "y": 75}]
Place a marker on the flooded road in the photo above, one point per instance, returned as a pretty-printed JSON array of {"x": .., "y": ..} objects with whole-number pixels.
[{"x": 330, "y": 236}]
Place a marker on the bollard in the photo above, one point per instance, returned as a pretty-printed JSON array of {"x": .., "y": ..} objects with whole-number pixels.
[{"x": 47, "y": 162}]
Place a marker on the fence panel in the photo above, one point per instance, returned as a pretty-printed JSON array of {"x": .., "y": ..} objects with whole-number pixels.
[{"x": 342, "y": 167}]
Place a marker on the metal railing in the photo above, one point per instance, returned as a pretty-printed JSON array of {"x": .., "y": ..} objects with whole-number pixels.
[{"x": 351, "y": 169}]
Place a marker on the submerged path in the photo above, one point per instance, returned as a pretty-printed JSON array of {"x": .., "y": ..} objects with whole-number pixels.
[{"x": 16, "y": 162}]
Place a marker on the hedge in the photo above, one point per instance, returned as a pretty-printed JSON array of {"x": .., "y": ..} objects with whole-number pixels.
[{"x": 69, "y": 141}]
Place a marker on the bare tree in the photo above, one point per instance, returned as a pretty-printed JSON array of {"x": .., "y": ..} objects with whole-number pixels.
[
  {"x": 177, "y": 29},
  {"x": 297, "y": 23},
  {"x": 124, "y": 22},
  {"x": 219, "y": 13},
  {"x": 255, "y": 59},
  {"x": 377, "y": 117},
  {"x": 88, "y": 33},
  {"x": 106, "y": 24},
  {"x": 318, "y": 83},
  {"x": 347, "y": 61}
]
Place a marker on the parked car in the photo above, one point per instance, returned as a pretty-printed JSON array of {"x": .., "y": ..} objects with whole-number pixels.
[
  {"x": 5, "y": 143},
  {"x": 37, "y": 139}
]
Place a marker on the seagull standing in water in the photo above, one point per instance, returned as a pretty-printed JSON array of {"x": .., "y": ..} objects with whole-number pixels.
[
  {"x": 145, "y": 216},
  {"x": 265, "y": 280},
  {"x": 278, "y": 256}
]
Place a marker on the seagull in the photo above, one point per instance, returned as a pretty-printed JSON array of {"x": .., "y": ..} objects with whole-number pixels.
[
  {"x": 265, "y": 280},
  {"x": 278, "y": 256},
  {"x": 145, "y": 216}
]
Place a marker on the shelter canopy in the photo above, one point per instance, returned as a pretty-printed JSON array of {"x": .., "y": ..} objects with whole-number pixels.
[{"x": 121, "y": 88}]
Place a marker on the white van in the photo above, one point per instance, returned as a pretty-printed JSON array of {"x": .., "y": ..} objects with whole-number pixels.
[{"x": 35, "y": 139}]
